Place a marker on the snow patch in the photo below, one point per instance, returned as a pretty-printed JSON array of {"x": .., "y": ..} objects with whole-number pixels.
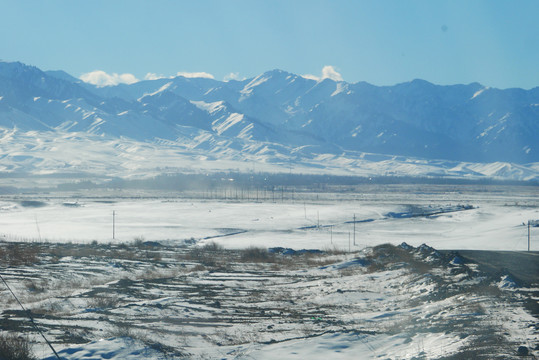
[
  {"x": 209, "y": 107},
  {"x": 123, "y": 348},
  {"x": 340, "y": 88},
  {"x": 479, "y": 92},
  {"x": 161, "y": 89},
  {"x": 233, "y": 119},
  {"x": 248, "y": 89}
]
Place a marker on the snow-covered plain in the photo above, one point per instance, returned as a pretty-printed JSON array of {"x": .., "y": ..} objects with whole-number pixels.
[
  {"x": 493, "y": 220},
  {"x": 102, "y": 298}
]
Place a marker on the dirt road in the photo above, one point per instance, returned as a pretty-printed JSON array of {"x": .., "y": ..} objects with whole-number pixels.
[{"x": 524, "y": 266}]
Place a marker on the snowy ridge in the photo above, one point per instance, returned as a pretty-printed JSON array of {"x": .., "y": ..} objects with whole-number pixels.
[
  {"x": 410, "y": 129},
  {"x": 56, "y": 151}
]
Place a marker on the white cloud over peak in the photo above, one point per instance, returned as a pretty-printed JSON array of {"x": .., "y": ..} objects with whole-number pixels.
[
  {"x": 328, "y": 72},
  {"x": 233, "y": 76},
  {"x": 195, "y": 75},
  {"x": 311, "y": 77},
  {"x": 101, "y": 78},
  {"x": 154, "y": 76}
]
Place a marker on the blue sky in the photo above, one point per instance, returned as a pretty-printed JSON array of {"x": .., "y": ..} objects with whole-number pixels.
[{"x": 383, "y": 42}]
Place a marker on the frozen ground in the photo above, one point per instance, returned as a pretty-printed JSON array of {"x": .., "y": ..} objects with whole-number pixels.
[
  {"x": 485, "y": 218},
  {"x": 144, "y": 301},
  {"x": 198, "y": 294}
]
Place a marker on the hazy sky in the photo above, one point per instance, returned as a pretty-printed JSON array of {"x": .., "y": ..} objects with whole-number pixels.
[{"x": 382, "y": 42}]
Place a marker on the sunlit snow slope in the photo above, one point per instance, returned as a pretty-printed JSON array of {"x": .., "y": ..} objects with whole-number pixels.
[{"x": 51, "y": 122}]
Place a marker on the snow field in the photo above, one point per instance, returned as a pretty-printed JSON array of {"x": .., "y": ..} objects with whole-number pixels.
[{"x": 293, "y": 224}]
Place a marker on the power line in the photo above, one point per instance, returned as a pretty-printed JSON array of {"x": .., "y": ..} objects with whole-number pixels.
[{"x": 30, "y": 317}]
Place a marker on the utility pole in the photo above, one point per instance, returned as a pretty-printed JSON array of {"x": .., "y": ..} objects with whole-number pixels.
[
  {"x": 354, "y": 229},
  {"x": 113, "y": 224},
  {"x": 331, "y": 233},
  {"x": 529, "y": 223},
  {"x": 37, "y": 226}
]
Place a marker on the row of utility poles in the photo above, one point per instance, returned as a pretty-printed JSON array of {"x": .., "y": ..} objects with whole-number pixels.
[
  {"x": 530, "y": 223},
  {"x": 331, "y": 230},
  {"x": 272, "y": 193}
]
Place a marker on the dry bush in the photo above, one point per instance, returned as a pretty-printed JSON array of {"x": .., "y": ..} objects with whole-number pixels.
[
  {"x": 199, "y": 267},
  {"x": 14, "y": 347},
  {"x": 104, "y": 302},
  {"x": 210, "y": 254},
  {"x": 203, "y": 257},
  {"x": 155, "y": 256},
  {"x": 334, "y": 250},
  {"x": 319, "y": 260},
  {"x": 15, "y": 254},
  {"x": 36, "y": 285},
  {"x": 212, "y": 246},
  {"x": 124, "y": 329},
  {"x": 138, "y": 241},
  {"x": 284, "y": 263},
  {"x": 256, "y": 254},
  {"x": 79, "y": 251},
  {"x": 348, "y": 271}
]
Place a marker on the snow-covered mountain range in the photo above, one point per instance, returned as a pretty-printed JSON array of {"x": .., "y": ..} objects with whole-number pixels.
[{"x": 275, "y": 120}]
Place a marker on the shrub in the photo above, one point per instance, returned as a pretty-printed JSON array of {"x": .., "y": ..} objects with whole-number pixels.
[
  {"x": 13, "y": 347},
  {"x": 138, "y": 241},
  {"x": 212, "y": 246},
  {"x": 208, "y": 255},
  {"x": 256, "y": 254},
  {"x": 19, "y": 254},
  {"x": 104, "y": 302}
]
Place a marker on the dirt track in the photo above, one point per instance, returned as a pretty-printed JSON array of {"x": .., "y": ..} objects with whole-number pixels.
[{"x": 524, "y": 266}]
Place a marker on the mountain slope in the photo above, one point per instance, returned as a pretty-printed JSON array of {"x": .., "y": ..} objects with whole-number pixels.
[{"x": 281, "y": 117}]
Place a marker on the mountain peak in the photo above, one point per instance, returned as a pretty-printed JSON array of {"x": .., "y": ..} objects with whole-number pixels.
[
  {"x": 416, "y": 118},
  {"x": 276, "y": 72},
  {"x": 17, "y": 69}
]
